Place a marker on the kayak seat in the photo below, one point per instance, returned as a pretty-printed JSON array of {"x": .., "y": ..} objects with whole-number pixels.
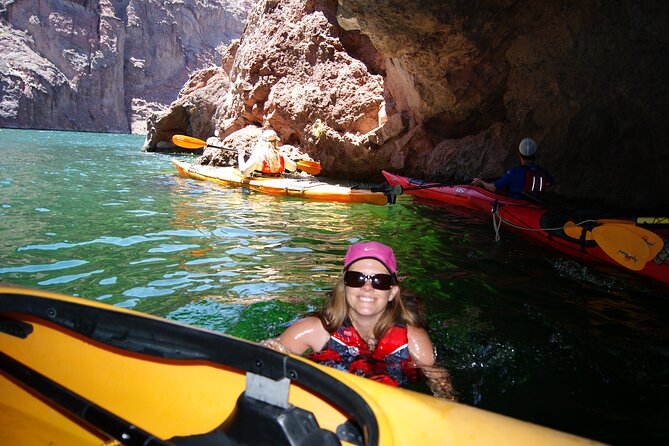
[
  {"x": 255, "y": 422},
  {"x": 263, "y": 416},
  {"x": 551, "y": 220}
]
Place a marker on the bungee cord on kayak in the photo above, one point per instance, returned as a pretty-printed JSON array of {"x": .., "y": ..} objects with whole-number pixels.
[
  {"x": 629, "y": 245},
  {"x": 621, "y": 241}
]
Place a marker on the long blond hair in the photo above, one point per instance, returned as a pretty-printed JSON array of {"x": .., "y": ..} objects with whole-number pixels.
[
  {"x": 269, "y": 154},
  {"x": 335, "y": 311}
]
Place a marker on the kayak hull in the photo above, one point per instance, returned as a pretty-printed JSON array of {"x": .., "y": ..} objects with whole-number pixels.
[
  {"x": 460, "y": 195},
  {"x": 287, "y": 187},
  {"x": 78, "y": 372},
  {"x": 529, "y": 220}
]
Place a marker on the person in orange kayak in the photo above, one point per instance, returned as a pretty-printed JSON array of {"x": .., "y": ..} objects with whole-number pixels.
[
  {"x": 367, "y": 327},
  {"x": 265, "y": 157},
  {"x": 528, "y": 178}
]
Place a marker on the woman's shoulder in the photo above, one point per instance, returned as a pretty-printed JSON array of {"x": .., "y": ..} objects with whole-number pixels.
[
  {"x": 312, "y": 322},
  {"x": 417, "y": 332},
  {"x": 420, "y": 345},
  {"x": 309, "y": 327},
  {"x": 303, "y": 334}
]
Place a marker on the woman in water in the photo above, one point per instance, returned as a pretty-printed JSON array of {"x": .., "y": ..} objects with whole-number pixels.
[{"x": 367, "y": 328}]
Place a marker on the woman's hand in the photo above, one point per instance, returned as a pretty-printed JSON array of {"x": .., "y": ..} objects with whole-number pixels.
[
  {"x": 439, "y": 382},
  {"x": 275, "y": 345}
]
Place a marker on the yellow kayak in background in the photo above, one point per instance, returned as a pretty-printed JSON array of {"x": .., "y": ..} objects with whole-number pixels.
[
  {"x": 289, "y": 187},
  {"x": 80, "y": 372}
]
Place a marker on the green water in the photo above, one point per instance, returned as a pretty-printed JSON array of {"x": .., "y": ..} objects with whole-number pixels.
[{"x": 525, "y": 332}]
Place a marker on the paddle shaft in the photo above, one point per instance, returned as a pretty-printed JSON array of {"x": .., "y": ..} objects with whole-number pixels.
[
  {"x": 652, "y": 220},
  {"x": 190, "y": 142},
  {"x": 432, "y": 185},
  {"x": 429, "y": 186},
  {"x": 549, "y": 206},
  {"x": 221, "y": 147},
  {"x": 637, "y": 220}
]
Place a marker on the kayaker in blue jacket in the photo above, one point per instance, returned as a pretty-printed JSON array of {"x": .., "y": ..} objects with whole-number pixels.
[
  {"x": 529, "y": 177},
  {"x": 367, "y": 328}
]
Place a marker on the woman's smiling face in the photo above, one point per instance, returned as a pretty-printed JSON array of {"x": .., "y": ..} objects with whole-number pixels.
[{"x": 366, "y": 301}]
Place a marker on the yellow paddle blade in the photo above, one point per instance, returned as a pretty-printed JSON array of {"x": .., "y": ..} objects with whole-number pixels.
[
  {"x": 615, "y": 220},
  {"x": 574, "y": 231},
  {"x": 188, "y": 142},
  {"x": 622, "y": 245},
  {"x": 652, "y": 240},
  {"x": 310, "y": 167}
]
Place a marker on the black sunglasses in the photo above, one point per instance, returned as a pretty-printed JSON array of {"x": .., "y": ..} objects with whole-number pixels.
[{"x": 356, "y": 279}]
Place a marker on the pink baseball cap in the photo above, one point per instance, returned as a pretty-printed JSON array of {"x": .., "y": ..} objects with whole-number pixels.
[{"x": 372, "y": 250}]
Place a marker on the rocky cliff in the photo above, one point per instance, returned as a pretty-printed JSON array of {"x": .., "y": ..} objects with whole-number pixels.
[
  {"x": 104, "y": 65},
  {"x": 445, "y": 90}
]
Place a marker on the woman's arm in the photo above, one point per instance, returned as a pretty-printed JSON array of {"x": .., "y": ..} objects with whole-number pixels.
[
  {"x": 289, "y": 164},
  {"x": 439, "y": 382},
  {"x": 305, "y": 334},
  {"x": 248, "y": 166},
  {"x": 422, "y": 352}
]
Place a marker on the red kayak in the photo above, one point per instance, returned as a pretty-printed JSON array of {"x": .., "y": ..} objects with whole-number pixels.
[{"x": 616, "y": 242}]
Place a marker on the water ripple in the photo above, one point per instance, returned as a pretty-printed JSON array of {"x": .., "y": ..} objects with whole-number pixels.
[
  {"x": 142, "y": 292},
  {"x": 68, "y": 279},
  {"x": 167, "y": 248},
  {"x": 43, "y": 267},
  {"x": 107, "y": 240}
]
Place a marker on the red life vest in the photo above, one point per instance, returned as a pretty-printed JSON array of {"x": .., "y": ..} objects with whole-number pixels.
[
  {"x": 390, "y": 362},
  {"x": 267, "y": 169},
  {"x": 536, "y": 179}
]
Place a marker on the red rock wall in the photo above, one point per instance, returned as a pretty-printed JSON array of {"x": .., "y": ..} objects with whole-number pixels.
[{"x": 445, "y": 90}]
